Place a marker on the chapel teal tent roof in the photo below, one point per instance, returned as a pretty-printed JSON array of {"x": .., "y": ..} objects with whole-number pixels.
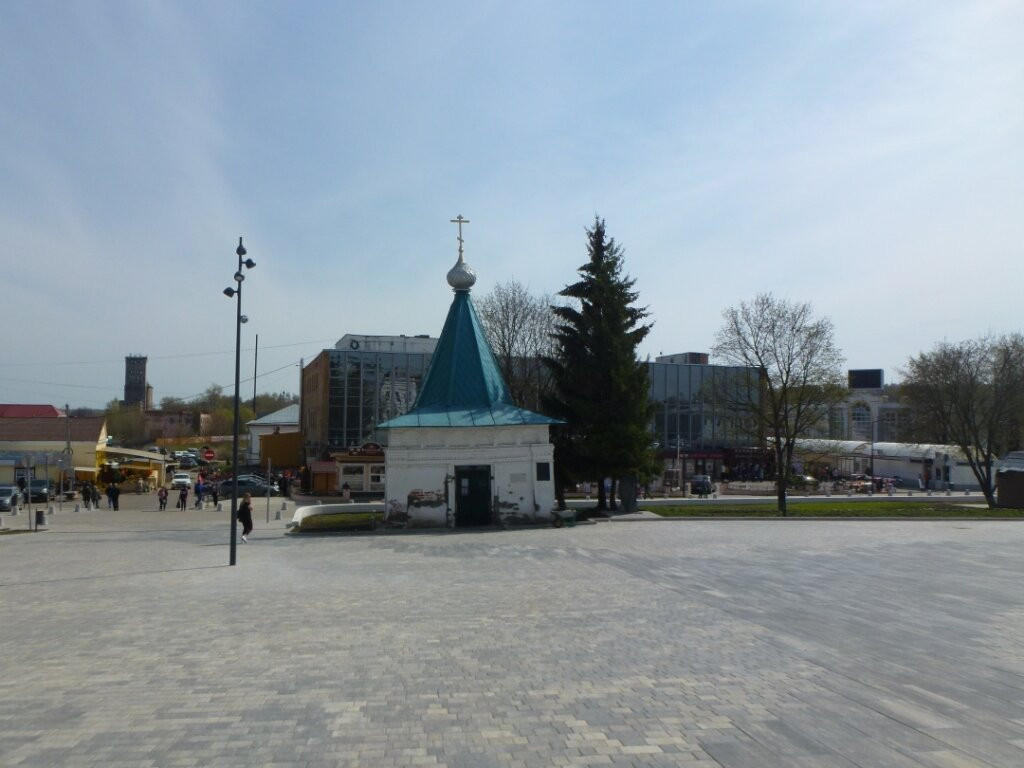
[{"x": 464, "y": 386}]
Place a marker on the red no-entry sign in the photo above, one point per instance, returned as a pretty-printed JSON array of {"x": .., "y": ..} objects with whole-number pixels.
[{"x": 209, "y": 455}]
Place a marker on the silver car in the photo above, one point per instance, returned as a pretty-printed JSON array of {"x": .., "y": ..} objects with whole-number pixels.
[{"x": 10, "y": 497}]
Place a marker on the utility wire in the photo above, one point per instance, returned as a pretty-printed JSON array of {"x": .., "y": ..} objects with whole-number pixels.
[{"x": 162, "y": 357}]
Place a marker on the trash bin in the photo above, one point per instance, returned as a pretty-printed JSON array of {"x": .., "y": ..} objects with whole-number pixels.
[{"x": 40, "y": 517}]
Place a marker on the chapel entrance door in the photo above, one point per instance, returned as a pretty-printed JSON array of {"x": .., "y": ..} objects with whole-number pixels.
[{"x": 472, "y": 496}]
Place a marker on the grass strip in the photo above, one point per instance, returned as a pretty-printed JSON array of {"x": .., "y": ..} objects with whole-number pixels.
[
  {"x": 340, "y": 521},
  {"x": 860, "y": 509}
]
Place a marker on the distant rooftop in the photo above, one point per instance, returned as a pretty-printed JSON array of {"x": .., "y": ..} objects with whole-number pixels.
[
  {"x": 287, "y": 415},
  {"x": 77, "y": 429},
  {"x": 17, "y": 411},
  {"x": 684, "y": 358},
  {"x": 358, "y": 342}
]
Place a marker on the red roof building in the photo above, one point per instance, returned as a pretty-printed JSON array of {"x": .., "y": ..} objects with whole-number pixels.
[{"x": 19, "y": 411}]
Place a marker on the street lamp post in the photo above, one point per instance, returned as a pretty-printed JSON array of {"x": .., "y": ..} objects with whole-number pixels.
[
  {"x": 30, "y": 462},
  {"x": 239, "y": 319},
  {"x": 873, "y": 425}
]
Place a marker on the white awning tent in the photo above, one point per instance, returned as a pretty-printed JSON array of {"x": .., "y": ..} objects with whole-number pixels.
[
  {"x": 832, "y": 447},
  {"x": 938, "y": 466},
  {"x": 860, "y": 448}
]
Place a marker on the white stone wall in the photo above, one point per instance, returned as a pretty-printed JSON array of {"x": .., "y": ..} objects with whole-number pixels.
[{"x": 421, "y": 460}]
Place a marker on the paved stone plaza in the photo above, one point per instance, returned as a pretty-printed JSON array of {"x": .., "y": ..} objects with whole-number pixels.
[{"x": 127, "y": 641}]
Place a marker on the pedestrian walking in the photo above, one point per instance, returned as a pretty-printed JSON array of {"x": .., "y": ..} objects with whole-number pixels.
[
  {"x": 115, "y": 496},
  {"x": 245, "y": 516},
  {"x": 161, "y": 496},
  {"x": 95, "y": 497},
  {"x": 110, "y": 495},
  {"x": 183, "y": 499},
  {"x": 199, "y": 494}
]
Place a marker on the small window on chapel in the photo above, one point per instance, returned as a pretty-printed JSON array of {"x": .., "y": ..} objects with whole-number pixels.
[{"x": 543, "y": 471}]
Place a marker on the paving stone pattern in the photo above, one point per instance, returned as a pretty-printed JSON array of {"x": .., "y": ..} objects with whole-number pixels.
[{"x": 125, "y": 640}]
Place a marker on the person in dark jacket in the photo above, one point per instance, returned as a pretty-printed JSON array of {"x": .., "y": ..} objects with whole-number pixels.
[{"x": 245, "y": 516}]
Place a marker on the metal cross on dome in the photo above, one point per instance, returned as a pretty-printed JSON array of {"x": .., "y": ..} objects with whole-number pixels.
[{"x": 460, "y": 221}]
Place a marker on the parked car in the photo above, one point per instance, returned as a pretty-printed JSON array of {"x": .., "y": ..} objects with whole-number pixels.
[
  {"x": 10, "y": 497},
  {"x": 248, "y": 484},
  {"x": 701, "y": 485},
  {"x": 804, "y": 481},
  {"x": 40, "y": 490},
  {"x": 181, "y": 480},
  {"x": 188, "y": 462},
  {"x": 860, "y": 484}
]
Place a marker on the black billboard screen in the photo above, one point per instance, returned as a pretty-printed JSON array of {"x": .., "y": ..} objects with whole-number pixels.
[{"x": 865, "y": 378}]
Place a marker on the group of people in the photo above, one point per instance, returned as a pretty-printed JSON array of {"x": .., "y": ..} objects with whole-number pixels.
[
  {"x": 91, "y": 496},
  {"x": 202, "y": 492},
  {"x": 162, "y": 495}
]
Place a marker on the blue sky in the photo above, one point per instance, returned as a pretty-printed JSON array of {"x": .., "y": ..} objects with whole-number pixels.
[{"x": 867, "y": 157}]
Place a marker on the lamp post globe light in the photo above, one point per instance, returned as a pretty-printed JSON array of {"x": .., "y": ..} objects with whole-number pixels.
[{"x": 236, "y": 293}]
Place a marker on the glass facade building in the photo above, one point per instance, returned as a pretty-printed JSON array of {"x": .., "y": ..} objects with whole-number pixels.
[
  {"x": 366, "y": 388},
  {"x": 691, "y": 408}
]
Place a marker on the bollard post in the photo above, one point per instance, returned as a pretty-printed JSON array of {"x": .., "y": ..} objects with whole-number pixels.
[
  {"x": 77, "y": 508},
  {"x": 929, "y": 491},
  {"x": 49, "y": 511},
  {"x": 949, "y": 492},
  {"x": 910, "y": 493}
]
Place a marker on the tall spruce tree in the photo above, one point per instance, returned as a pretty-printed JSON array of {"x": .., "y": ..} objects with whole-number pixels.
[{"x": 600, "y": 385}]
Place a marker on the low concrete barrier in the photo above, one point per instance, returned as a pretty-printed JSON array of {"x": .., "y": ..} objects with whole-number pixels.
[{"x": 337, "y": 517}]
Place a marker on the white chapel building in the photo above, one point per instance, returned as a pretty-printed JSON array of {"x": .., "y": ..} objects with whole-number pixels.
[{"x": 465, "y": 455}]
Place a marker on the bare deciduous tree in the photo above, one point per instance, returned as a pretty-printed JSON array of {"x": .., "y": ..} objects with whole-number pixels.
[
  {"x": 799, "y": 367},
  {"x": 519, "y": 327},
  {"x": 971, "y": 394}
]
